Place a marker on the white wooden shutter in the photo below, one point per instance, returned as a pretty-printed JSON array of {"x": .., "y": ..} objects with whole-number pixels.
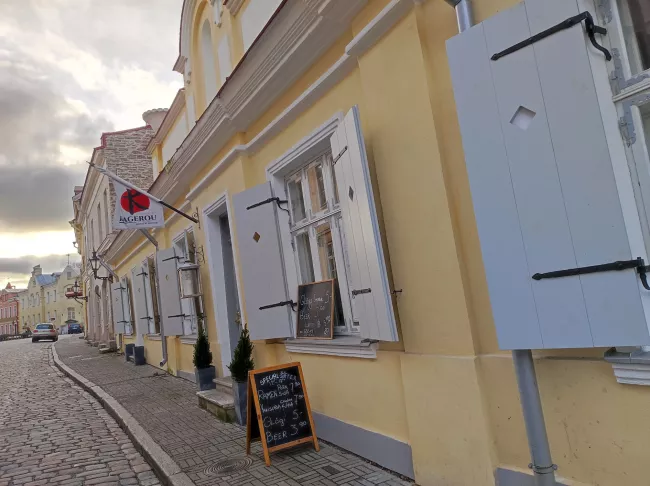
[
  {"x": 126, "y": 304},
  {"x": 368, "y": 276},
  {"x": 544, "y": 184},
  {"x": 117, "y": 297},
  {"x": 170, "y": 297},
  {"x": 143, "y": 315},
  {"x": 261, "y": 262}
]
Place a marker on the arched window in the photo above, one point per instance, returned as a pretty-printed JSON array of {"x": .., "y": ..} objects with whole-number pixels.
[{"x": 209, "y": 68}]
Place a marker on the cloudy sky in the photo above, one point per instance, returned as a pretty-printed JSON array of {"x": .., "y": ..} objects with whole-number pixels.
[{"x": 70, "y": 70}]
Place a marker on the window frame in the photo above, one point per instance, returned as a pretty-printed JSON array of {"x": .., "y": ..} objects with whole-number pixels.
[
  {"x": 630, "y": 93},
  {"x": 181, "y": 243},
  {"x": 317, "y": 142},
  {"x": 308, "y": 226}
]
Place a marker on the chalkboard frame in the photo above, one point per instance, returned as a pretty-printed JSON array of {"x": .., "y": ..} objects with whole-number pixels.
[
  {"x": 253, "y": 405},
  {"x": 332, "y": 310}
]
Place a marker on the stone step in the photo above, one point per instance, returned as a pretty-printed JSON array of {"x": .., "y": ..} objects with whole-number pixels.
[
  {"x": 219, "y": 404},
  {"x": 224, "y": 385}
]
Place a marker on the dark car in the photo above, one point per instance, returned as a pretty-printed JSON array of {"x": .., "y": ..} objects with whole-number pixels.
[{"x": 75, "y": 329}]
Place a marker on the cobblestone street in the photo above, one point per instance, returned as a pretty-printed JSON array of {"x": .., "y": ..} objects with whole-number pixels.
[
  {"x": 53, "y": 432},
  {"x": 167, "y": 408}
]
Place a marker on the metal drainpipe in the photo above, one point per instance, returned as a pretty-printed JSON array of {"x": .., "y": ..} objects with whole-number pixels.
[
  {"x": 463, "y": 13},
  {"x": 540, "y": 451}
]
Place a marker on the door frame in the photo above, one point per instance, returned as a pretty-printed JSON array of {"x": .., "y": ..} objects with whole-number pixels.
[{"x": 211, "y": 214}]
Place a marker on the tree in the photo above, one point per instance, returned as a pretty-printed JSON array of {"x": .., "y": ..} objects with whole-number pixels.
[{"x": 242, "y": 362}]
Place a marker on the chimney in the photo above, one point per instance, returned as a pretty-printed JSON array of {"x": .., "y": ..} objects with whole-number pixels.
[
  {"x": 37, "y": 270},
  {"x": 154, "y": 117}
]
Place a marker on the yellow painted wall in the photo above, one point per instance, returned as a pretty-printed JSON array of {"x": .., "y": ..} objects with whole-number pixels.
[{"x": 445, "y": 389}]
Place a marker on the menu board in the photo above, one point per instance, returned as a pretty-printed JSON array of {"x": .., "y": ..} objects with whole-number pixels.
[
  {"x": 316, "y": 303},
  {"x": 278, "y": 409}
]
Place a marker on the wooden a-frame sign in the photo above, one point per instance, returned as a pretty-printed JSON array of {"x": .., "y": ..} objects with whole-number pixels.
[{"x": 277, "y": 424}]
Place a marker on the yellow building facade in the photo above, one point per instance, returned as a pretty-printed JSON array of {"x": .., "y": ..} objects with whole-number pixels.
[{"x": 345, "y": 111}]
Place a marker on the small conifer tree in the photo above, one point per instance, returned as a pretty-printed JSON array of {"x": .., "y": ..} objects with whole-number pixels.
[{"x": 242, "y": 361}]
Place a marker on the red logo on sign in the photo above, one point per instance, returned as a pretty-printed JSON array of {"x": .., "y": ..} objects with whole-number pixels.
[{"x": 134, "y": 201}]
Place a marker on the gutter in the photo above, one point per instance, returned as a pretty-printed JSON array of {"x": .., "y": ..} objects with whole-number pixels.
[{"x": 464, "y": 13}]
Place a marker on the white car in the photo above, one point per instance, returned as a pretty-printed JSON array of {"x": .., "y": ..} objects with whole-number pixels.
[{"x": 44, "y": 331}]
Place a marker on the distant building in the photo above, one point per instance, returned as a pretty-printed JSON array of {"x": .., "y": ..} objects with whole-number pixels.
[
  {"x": 9, "y": 310},
  {"x": 45, "y": 301}
]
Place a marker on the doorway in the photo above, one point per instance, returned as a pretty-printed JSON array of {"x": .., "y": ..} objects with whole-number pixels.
[{"x": 223, "y": 277}]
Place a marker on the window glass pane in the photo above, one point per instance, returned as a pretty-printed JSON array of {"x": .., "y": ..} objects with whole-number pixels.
[
  {"x": 326, "y": 257},
  {"x": 635, "y": 20},
  {"x": 316, "y": 188},
  {"x": 297, "y": 202},
  {"x": 303, "y": 247}
]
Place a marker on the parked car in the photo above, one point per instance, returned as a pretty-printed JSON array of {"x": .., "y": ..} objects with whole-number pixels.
[
  {"x": 44, "y": 331},
  {"x": 75, "y": 329}
]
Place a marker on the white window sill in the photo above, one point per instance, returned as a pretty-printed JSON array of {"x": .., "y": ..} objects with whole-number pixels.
[
  {"x": 630, "y": 368},
  {"x": 154, "y": 337},
  {"x": 346, "y": 346},
  {"x": 189, "y": 339}
]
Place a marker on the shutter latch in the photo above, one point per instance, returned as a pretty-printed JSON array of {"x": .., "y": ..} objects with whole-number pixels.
[
  {"x": 280, "y": 304},
  {"x": 277, "y": 200},
  {"x": 177, "y": 315},
  {"x": 637, "y": 263},
  {"x": 358, "y": 292},
  {"x": 592, "y": 30}
]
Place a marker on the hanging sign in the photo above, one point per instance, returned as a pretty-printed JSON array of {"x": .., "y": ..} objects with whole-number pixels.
[
  {"x": 278, "y": 412},
  {"x": 135, "y": 210}
]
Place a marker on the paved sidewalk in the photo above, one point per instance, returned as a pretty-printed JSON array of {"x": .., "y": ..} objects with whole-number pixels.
[{"x": 167, "y": 409}]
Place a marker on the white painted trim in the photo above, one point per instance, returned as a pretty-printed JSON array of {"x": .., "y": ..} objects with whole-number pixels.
[
  {"x": 632, "y": 374},
  {"x": 377, "y": 27},
  {"x": 346, "y": 346},
  {"x": 153, "y": 337},
  {"x": 189, "y": 339},
  {"x": 211, "y": 213}
]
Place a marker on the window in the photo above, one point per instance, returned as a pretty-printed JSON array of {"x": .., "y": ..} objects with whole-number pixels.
[
  {"x": 106, "y": 218},
  {"x": 48, "y": 315},
  {"x": 184, "y": 245},
  {"x": 55, "y": 293},
  {"x": 635, "y": 28},
  {"x": 71, "y": 316},
  {"x": 100, "y": 226},
  {"x": 208, "y": 64},
  {"x": 48, "y": 297},
  {"x": 316, "y": 231},
  {"x": 68, "y": 275},
  {"x": 628, "y": 23}
]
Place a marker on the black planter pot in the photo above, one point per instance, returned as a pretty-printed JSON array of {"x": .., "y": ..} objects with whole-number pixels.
[
  {"x": 128, "y": 351},
  {"x": 204, "y": 378},
  {"x": 138, "y": 356},
  {"x": 240, "y": 394}
]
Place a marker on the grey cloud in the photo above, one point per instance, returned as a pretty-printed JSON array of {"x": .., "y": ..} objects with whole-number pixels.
[
  {"x": 37, "y": 198},
  {"x": 19, "y": 269}
]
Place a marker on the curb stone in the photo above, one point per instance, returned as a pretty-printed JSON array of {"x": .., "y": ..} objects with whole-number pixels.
[{"x": 165, "y": 467}]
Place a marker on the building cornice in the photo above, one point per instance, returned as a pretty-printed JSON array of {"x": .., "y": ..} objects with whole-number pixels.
[{"x": 248, "y": 93}]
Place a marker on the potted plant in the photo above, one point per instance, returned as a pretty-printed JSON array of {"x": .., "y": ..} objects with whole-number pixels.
[
  {"x": 203, "y": 369},
  {"x": 241, "y": 364}
]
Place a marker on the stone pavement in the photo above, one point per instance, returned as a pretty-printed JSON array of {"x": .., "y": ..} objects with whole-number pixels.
[
  {"x": 167, "y": 408},
  {"x": 53, "y": 432}
]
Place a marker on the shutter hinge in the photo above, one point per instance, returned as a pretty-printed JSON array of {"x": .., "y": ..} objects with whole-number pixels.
[
  {"x": 359, "y": 292},
  {"x": 280, "y": 304},
  {"x": 637, "y": 263},
  {"x": 172, "y": 258},
  {"x": 626, "y": 126},
  {"x": 141, "y": 273},
  {"x": 277, "y": 200},
  {"x": 336, "y": 159},
  {"x": 592, "y": 30},
  {"x": 177, "y": 315}
]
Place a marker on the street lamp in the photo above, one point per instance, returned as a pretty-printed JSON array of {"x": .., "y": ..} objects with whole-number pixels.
[
  {"x": 94, "y": 265},
  {"x": 76, "y": 293},
  {"x": 189, "y": 279}
]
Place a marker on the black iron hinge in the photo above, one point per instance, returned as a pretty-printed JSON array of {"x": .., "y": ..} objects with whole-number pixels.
[
  {"x": 172, "y": 258},
  {"x": 280, "y": 304},
  {"x": 177, "y": 315},
  {"x": 617, "y": 266},
  {"x": 359, "y": 292},
  {"x": 592, "y": 30}
]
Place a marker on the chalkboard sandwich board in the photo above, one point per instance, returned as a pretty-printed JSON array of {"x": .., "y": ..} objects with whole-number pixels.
[
  {"x": 278, "y": 409},
  {"x": 316, "y": 303}
]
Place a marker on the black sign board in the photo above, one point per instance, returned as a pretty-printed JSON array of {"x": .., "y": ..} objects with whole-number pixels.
[
  {"x": 278, "y": 409},
  {"x": 316, "y": 303}
]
